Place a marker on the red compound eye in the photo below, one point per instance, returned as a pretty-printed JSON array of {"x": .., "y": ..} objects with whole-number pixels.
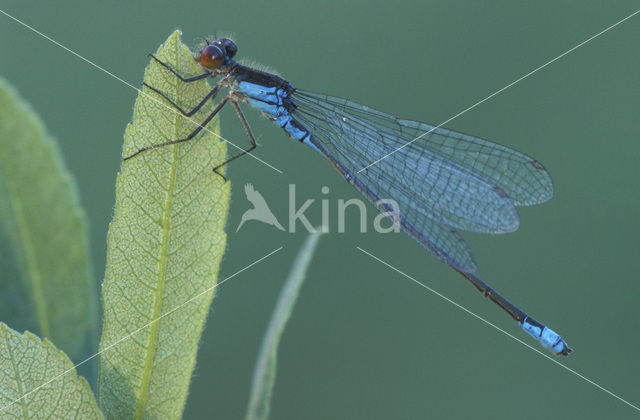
[{"x": 212, "y": 56}]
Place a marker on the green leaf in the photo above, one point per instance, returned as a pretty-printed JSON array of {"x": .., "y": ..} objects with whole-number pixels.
[
  {"x": 39, "y": 382},
  {"x": 264, "y": 374},
  {"x": 45, "y": 284},
  {"x": 164, "y": 247}
]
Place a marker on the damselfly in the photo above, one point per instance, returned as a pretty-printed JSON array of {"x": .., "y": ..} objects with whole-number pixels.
[{"x": 443, "y": 181}]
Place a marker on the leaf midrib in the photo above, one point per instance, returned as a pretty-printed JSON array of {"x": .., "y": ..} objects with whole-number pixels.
[
  {"x": 21, "y": 391},
  {"x": 162, "y": 274}
]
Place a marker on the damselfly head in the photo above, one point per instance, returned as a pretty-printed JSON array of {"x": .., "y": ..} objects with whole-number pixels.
[{"x": 216, "y": 53}]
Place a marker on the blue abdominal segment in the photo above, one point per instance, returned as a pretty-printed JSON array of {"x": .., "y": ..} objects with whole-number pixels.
[
  {"x": 547, "y": 337},
  {"x": 307, "y": 141}
]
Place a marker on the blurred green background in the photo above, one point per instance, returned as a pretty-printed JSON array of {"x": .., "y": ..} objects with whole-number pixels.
[{"x": 365, "y": 342}]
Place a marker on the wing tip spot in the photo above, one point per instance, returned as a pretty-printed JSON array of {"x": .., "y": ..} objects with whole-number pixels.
[
  {"x": 537, "y": 165},
  {"x": 500, "y": 192}
]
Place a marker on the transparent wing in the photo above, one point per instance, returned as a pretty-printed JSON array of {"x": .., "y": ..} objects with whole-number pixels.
[
  {"x": 523, "y": 179},
  {"x": 442, "y": 241},
  {"x": 441, "y": 182}
]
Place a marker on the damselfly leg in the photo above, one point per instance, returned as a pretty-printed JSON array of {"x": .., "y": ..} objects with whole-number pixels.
[
  {"x": 252, "y": 139},
  {"x": 211, "y": 95},
  {"x": 194, "y": 133},
  {"x": 179, "y": 76}
]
